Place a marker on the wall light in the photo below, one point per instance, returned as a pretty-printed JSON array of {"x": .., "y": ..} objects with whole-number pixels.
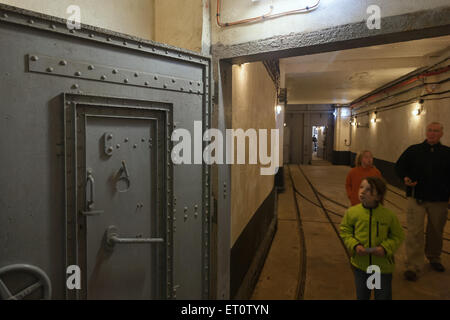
[
  {"x": 278, "y": 109},
  {"x": 419, "y": 108},
  {"x": 374, "y": 119}
]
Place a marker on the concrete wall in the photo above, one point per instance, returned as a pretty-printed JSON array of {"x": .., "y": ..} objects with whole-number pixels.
[
  {"x": 134, "y": 17},
  {"x": 253, "y": 106},
  {"x": 330, "y": 13},
  {"x": 342, "y": 130},
  {"x": 181, "y": 23},
  {"x": 398, "y": 128}
]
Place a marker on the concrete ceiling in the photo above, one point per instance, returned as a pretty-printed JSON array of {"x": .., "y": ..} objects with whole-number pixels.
[{"x": 343, "y": 76}]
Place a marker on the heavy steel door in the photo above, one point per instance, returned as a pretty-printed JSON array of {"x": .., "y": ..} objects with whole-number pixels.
[{"x": 122, "y": 217}]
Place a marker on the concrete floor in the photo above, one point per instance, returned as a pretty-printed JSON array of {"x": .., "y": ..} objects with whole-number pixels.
[{"x": 318, "y": 263}]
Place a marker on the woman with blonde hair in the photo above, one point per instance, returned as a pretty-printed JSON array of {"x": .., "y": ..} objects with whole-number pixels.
[{"x": 363, "y": 168}]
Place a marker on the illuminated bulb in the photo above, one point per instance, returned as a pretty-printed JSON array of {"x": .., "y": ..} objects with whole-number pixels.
[
  {"x": 285, "y": 124},
  {"x": 278, "y": 109},
  {"x": 416, "y": 112},
  {"x": 373, "y": 120}
]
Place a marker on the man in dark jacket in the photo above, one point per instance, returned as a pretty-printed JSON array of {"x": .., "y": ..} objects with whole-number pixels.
[{"x": 425, "y": 170}]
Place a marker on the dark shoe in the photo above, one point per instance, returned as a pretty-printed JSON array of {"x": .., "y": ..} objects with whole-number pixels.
[
  {"x": 437, "y": 266},
  {"x": 410, "y": 275}
]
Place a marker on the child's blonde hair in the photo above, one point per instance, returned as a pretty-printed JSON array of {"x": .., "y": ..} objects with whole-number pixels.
[{"x": 359, "y": 158}]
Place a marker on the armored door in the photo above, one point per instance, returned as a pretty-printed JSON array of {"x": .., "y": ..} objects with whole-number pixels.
[{"x": 122, "y": 241}]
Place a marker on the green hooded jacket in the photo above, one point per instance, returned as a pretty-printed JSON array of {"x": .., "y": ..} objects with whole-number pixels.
[{"x": 372, "y": 228}]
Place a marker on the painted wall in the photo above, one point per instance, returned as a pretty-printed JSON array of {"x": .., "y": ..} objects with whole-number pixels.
[
  {"x": 328, "y": 14},
  {"x": 253, "y": 106},
  {"x": 180, "y": 23},
  {"x": 342, "y": 130},
  {"x": 396, "y": 129},
  {"x": 134, "y": 17}
]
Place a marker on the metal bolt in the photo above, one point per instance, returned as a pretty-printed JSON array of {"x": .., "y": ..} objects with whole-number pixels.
[
  {"x": 153, "y": 49},
  {"x": 125, "y": 80},
  {"x": 34, "y": 58},
  {"x": 125, "y": 43},
  {"x": 5, "y": 15},
  {"x": 103, "y": 77},
  {"x": 136, "y": 74},
  {"x": 63, "y": 63},
  {"x": 91, "y": 35},
  {"x": 115, "y": 71},
  {"x": 49, "y": 69},
  {"x": 110, "y": 149},
  {"x": 143, "y": 139},
  {"x": 156, "y": 78},
  {"x": 165, "y": 86},
  {"x": 91, "y": 67},
  {"x": 118, "y": 146},
  {"x": 78, "y": 73},
  {"x": 75, "y": 86},
  {"x": 173, "y": 80},
  {"x": 72, "y": 31},
  {"x": 140, "y": 46},
  {"x": 135, "y": 146},
  {"x": 182, "y": 89},
  {"x": 126, "y": 139},
  {"x": 108, "y": 39},
  {"x": 109, "y": 136},
  {"x": 31, "y": 21},
  {"x": 53, "y": 26},
  {"x": 147, "y": 83}
]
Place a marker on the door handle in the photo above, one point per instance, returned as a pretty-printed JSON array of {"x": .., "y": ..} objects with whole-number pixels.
[
  {"x": 91, "y": 199},
  {"x": 112, "y": 238}
]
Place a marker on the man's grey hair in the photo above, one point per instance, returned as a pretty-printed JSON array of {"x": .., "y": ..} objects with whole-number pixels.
[{"x": 436, "y": 123}]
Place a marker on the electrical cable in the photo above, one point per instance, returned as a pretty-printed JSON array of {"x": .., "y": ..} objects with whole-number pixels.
[
  {"x": 269, "y": 15},
  {"x": 423, "y": 74}
]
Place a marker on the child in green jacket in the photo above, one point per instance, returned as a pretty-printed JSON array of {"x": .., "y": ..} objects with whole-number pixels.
[{"x": 372, "y": 234}]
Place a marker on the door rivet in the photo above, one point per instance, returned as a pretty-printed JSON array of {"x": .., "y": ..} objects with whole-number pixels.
[
  {"x": 147, "y": 83},
  {"x": 34, "y": 58},
  {"x": 49, "y": 69},
  {"x": 114, "y": 71},
  {"x": 103, "y": 77},
  {"x": 63, "y": 62},
  {"x": 91, "y": 35},
  {"x": 125, "y": 80},
  {"x": 91, "y": 67},
  {"x": 31, "y": 21},
  {"x": 75, "y": 86},
  {"x": 118, "y": 146},
  {"x": 136, "y": 74},
  {"x": 78, "y": 73},
  {"x": 135, "y": 146},
  {"x": 126, "y": 139}
]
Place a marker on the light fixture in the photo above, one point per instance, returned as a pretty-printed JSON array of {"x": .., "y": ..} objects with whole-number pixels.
[
  {"x": 374, "y": 119},
  {"x": 278, "y": 109},
  {"x": 285, "y": 124},
  {"x": 419, "y": 108}
]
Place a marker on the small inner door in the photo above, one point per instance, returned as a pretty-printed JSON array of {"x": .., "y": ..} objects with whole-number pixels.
[{"x": 121, "y": 164}]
